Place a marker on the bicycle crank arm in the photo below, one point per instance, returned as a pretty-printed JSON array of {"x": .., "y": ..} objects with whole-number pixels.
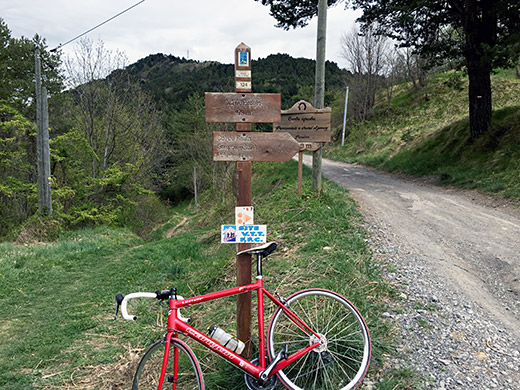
[{"x": 279, "y": 357}]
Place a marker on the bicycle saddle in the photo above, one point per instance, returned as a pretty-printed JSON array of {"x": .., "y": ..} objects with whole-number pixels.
[{"x": 264, "y": 250}]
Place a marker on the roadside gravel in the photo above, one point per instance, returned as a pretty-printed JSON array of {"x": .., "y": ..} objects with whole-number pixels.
[{"x": 452, "y": 342}]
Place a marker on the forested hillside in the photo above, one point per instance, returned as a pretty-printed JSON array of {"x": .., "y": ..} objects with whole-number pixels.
[
  {"x": 172, "y": 80},
  {"x": 124, "y": 139}
]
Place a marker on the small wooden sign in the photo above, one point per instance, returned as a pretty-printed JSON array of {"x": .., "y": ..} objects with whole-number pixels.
[
  {"x": 310, "y": 146},
  {"x": 250, "y": 146},
  {"x": 305, "y": 123},
  {"x": 243, "y": 107}
]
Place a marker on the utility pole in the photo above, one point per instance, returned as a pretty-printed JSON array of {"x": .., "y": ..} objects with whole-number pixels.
[
  {"x": 319, "y": 87},
  {"x": 42, "y": 140}
]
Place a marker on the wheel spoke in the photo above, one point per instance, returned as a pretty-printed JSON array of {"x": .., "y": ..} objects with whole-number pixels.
[{"x": 341, "y": 360}]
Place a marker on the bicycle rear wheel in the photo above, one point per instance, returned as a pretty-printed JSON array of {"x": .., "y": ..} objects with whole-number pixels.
[
  {"x": 189, "y": 375},
  {"x": 341, "y": 361}
]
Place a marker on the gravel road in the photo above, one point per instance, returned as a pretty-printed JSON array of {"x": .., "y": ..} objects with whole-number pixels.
[{"x": 454, "y": 256}]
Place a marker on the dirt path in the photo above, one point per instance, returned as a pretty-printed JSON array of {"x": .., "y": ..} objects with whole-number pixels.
[
  {"x": 473, "y": 245},
  {"x": 454, "y": 255}
]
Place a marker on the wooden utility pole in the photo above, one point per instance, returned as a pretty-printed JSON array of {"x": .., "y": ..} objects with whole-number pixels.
[
  {"x": 244, "y": 170},
  {"x": 319, "y": 86},
  {"x": 42, "y": 140}
]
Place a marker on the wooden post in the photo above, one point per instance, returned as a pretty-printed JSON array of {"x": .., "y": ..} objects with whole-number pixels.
[
  {"x": 300, "y": 173},
  {"x": 243, "y": 84},
  {"x": 195, "y": 188},
  {"x": 344, "y": 118},
  {"x": 319, "y": 86}
]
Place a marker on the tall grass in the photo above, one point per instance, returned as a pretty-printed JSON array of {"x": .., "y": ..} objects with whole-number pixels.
[{"x": 57, "y": 300}]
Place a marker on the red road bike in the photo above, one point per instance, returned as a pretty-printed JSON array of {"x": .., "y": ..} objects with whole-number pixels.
[{"x": 316, "y": 340}]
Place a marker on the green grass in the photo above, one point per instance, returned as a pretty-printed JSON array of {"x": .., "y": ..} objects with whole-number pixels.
[
  {"x": 57, "y": 299},
  {"x": 431, "y": 138}
]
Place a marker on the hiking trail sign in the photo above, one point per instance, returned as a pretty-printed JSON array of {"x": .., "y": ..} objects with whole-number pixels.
[
  {"x": 242, "y": 107},
  {"x": 243, "y": 146},
  {"x": 309, "y": 126},
  {"x": 249, "y": 146},
  {"x": 305, "y": 123}
]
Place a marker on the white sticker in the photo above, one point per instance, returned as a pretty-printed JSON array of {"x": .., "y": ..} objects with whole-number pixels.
[
  {"x": 244, "y": 234},
  {"x": 244, "y": 215},
  {"x": 243, "y": 85},
  {"x": 245, "y": 74},
  {"x": 251, "y": 234}
]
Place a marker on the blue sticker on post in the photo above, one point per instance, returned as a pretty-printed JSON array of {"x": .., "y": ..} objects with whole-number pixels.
[{"x": 243, "y": 58}]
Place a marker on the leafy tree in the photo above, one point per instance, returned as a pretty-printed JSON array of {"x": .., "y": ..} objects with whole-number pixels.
[
  {"x": 190, "y": 140},
  {"x": 485, "y": 33},
  {"x": 118, "y": 119},
  {"x": 17, "y": 70},
  {"x": 367, "y": 58},
  {"x": 294, "y": 13},
  {"x": 17, "y": 193}
]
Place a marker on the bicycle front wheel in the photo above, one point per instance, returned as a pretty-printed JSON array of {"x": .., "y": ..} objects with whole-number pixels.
[
  {"x": 188, "y": 375},
  {"x": 341, "y": 361}
]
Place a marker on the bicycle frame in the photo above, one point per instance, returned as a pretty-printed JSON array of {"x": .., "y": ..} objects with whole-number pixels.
[{"x": 176, "y": 325}]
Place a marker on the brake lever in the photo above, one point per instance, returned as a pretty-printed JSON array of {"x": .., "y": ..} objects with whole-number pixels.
[{"x": 119, "y": 300}]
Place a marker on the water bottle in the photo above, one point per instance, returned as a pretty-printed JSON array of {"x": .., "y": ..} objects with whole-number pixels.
[{"x": 227, "y": 340}]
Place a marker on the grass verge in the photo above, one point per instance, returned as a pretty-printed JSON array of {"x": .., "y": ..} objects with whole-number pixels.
[
  {"x": 57, "y": 300},
  {"x": 431, "y": 137}
]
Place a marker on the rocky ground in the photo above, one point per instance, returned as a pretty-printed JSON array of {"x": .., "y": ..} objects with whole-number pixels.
[{"x": 453, "y": 343}]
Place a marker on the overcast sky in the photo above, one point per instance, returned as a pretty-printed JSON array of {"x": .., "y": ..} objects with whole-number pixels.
[{"x": 202, "y": 29}]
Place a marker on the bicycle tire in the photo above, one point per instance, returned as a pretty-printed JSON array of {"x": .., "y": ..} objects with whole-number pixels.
[
  {"x": 341, "y": 362},
  {"x": 149, "y": 368}
]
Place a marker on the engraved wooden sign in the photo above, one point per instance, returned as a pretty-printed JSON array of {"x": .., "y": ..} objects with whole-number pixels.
[
  {"x": 305, "y": 123},
  {"x": 243, "y": 107},
  {"x": 249, "y": 146}
]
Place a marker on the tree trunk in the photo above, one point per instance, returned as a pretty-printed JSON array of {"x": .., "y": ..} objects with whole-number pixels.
[
  {"x": 480, "y": 109},
  {"x": 480, "y": 25}
]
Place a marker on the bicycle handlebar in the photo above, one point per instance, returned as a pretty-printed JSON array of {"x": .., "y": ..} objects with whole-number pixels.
[
  {"x": 126, "y": 316},
  {"x": 123, "y": 301}
]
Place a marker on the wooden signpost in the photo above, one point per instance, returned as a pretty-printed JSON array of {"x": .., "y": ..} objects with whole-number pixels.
[
  {"x": 248, "y": 146},
  {"x": 309, "y": 126},
  {"x": 305, "y": 123},
  {"x": 242, "y": 107},
  {"x": 244, "y": 146}
]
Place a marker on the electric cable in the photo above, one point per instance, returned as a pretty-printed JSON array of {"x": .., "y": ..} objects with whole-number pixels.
[{"x": 93, "y": 28}]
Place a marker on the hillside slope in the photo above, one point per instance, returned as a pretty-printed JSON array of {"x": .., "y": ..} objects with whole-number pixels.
[
  {"x": 66, "y": 289},
  {"x": 171, "y": 80},
  {"x": 430, "y": 137}
]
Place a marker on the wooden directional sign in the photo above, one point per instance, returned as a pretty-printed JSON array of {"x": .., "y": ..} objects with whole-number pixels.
[
  {"x": 243, "y": 107},
  {"x": 306, "y": 123},
  {"x": 248, "y": 146}
]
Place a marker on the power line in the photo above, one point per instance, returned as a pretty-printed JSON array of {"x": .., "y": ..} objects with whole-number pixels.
[{"x": 99, "y": 25}]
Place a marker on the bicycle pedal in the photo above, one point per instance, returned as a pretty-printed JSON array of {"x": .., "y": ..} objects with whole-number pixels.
[{"x": 170, "y": 379}]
